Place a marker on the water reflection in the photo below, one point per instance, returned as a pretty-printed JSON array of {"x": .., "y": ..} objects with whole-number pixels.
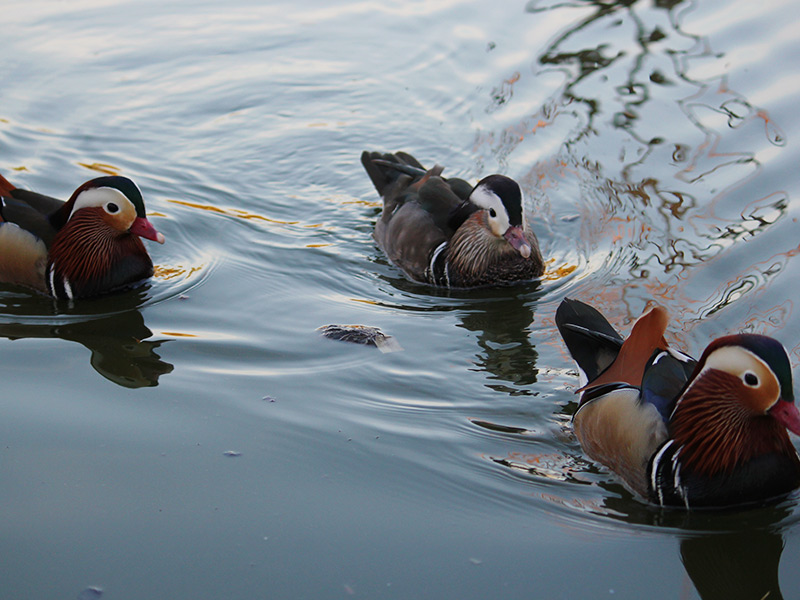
[
  {"x": 736, "y": 554},
  {"x": 507, "y": 353},
  {"x": 670, "y": 196},
  {"x": 501, "y": 318},
  {"x": 727, "y": 566},
  {"x": 728, "y": 555},
  {"x": 118, "y": 342}
]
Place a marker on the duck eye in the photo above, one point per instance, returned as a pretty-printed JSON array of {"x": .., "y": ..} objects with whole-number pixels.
[
  {"x": 750, "y": 379},
  {"x": 492, "y": 213},
  {"x": 111, "y": 208}
]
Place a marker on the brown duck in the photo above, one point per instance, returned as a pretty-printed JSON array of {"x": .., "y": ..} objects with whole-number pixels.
[{"x": 446, "y": 232}]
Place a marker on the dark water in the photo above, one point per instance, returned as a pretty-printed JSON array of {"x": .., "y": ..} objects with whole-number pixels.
[{"x": 198, "y": 439}]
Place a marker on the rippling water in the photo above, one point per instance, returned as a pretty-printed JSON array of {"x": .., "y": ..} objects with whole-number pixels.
[{"x": 197, "y": 438}]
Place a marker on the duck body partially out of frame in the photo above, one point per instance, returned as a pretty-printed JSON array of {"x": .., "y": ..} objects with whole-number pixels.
[
  {"x": 87, "y": 246},
  {"x": 707, "y": 433}
]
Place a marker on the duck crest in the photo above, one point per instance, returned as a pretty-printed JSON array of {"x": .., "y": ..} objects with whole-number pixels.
[{"x": 718, "y": 422}]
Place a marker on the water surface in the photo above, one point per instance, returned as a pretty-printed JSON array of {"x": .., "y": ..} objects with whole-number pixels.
[{"x": 197, "y": 438}]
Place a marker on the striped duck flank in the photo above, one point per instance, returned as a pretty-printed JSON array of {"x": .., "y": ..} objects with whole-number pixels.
[
  {"x": 87, "y": 246},
  {"x": 684, "y": 433},
  {"x": 446, "y": 232}
]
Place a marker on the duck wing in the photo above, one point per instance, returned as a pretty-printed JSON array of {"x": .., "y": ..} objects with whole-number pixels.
[
  {"x": 400, "y": 178},
  {"x": 31, "y": 212}
]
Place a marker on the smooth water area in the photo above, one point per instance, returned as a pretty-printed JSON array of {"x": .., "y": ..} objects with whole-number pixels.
[{"x": 197, "y": 438}]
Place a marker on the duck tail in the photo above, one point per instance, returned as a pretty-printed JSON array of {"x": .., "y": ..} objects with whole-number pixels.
[
  {"x": 385, "y": 169},
  {"x": 590, "y": 339}
]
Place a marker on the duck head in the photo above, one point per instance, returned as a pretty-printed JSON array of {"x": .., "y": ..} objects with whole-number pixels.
[
  {"x": 98, "y": 247},
  {"x": 741, "y": 391},
  {"x": 501, "y": 199},
  {"x": 114, "y": 200}
]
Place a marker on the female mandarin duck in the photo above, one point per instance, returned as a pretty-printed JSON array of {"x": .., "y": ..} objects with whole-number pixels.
[
  {"x": 445, "y": 231},
  {"x": 84, "y": 247},
  {"x": 685, "y": 433}
]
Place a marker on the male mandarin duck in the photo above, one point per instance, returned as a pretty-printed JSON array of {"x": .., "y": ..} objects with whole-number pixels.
[
  {"x": 87, "y": 246},
  {"x": 680, "y": 432},
  {"x": 446, "y": 232}
]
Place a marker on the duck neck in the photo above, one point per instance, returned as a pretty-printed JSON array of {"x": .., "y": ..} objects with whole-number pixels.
[{"x": 473, "y": 249}]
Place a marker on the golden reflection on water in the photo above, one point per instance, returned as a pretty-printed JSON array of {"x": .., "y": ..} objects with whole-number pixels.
[
  {"x": 554, "y": 273},
  {"x": 365, "y": 301},
  {"x": 101, "y": 168},
  {"x": 234, "y": 212},
  {"x": 367, "y": 203},
  {"x": 169, "y": 273},
  {"x": 178, "y": 334}
]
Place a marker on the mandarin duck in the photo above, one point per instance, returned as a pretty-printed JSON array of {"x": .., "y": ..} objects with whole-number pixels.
[
  {"x": 684, "y": 433},
  {"x": 86, "y": 246},
  {"x": 446, "y": 232}
]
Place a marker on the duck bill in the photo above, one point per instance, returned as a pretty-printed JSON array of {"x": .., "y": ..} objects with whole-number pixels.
[
  {"x": 787, "y": 414},
  {"x": 516, "y": 237},
  {"x": 144, "y": 228}
]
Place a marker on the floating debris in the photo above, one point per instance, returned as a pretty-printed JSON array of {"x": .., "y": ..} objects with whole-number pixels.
[
  {"x": 233, "y": 453},
  {"x": 91, "y": 593},
  {"x": 361, "y": 334},
  {"x": 501, "y": 428}
]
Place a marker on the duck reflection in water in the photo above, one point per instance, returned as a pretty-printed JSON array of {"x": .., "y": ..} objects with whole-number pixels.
[
  {"x": 728, "y": 555},
  {"x": 502, "y": 323},
  {"x": 120, "y": 351},
  {"x": 740, "y": 564}
]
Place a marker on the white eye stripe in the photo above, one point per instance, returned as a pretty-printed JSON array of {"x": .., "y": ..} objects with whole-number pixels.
[
  {"x": 486, "y": 199},
  {"x": 736, "y": 360},
  {"x": 100, "y": 197}
]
